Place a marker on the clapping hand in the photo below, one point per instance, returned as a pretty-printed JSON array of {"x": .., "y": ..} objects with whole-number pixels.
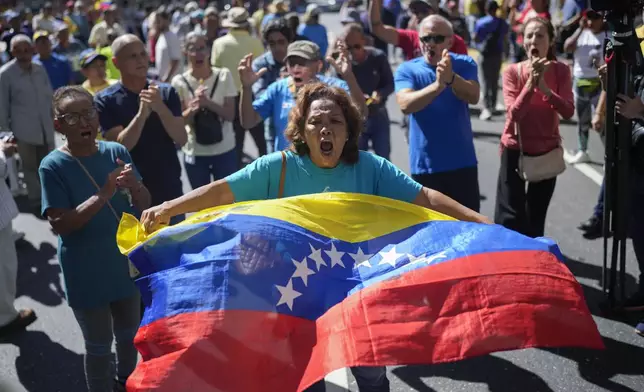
[
  {"x": 152, "y": 97},
  {"x": 246, "y": 74},
  {"x": 341, "y": 64},
  {"x": 539, "y": 66},
  {"x": 8, "y": 148},
  {"x": 444, "y": 71},
  {"x": 126, "y": 178}
]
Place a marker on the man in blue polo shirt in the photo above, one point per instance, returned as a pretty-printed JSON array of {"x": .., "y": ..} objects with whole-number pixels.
[
  {"x": 435, "y": 91},
  {"x": 303, "y": 62},
  {"x": 57, "y": 66},
  {"x": 146, "y": 118}
]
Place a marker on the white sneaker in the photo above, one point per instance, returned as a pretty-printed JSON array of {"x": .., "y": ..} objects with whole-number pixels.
[
  {"x": 580, "y": 157},
  {"x": 485, "y": 115}
]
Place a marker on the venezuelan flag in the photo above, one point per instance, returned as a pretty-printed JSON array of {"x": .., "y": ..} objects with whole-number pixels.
[{"x": 273, "y": 295}]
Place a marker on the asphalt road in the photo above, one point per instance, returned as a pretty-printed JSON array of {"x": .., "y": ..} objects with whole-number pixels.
[{"x": 48, "y": 357}]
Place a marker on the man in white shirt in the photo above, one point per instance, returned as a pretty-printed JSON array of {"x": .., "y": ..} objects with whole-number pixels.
[
  {"x": 98, "y": 36},
  {"x": 168, "y": 48},
  {"x": 11, "y": 320}
]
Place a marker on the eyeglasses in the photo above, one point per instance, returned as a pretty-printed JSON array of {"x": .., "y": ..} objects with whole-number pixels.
[
  {"x": 194, "y": 50},
  {"x": 72, "y": 119},
  {"x": 437, "y": 38}
]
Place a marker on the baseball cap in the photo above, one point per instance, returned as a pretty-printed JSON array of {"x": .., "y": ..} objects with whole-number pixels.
[
  {"x": 305, "y": 49},
  {"x": 40, "y": 34},
  {"x": 87, "y": 56},
  {"x": 433, "y": 4}
]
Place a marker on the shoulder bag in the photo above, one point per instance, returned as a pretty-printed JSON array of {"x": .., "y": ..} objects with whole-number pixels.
[
  {"x": 206, "y": 123},
  {"x": 133, "y": 271},
  {"x": 541, "y": 167}
]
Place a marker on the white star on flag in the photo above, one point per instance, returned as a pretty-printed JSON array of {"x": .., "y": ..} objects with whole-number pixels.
[
  {"x": 336, "y": 257},
  {"x": 441, "y": 255},
  {"x": 416, "y": 259},
  {"x": 287, "y": 294},
  {"x": 390, "y": 257},
  {"x": 316, "y": 255},
  {"x": 361, "y": 259},
  {"x": 302, "y": 271}
]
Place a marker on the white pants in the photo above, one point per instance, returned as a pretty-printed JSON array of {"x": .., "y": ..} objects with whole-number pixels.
[{"x": 8, "y": 275}]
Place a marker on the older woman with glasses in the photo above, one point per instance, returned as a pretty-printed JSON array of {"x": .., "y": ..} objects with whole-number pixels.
[
  {"x": 86, "y": 187},
  {"x": 208, "y": 102}
]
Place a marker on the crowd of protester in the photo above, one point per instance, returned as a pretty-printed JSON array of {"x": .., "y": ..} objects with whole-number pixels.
[{"x": 129, "y": 87}]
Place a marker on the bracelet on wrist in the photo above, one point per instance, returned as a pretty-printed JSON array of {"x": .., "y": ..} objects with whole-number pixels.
[{"x": 452, "y": 81}]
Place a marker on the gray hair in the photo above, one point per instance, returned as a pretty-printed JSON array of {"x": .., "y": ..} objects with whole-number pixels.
[
  {"x": 436, "y": 19},
  {"x": 122, "y": 41},
  {"x": 20, "y": 38},
  {"x": 193, "y": 36}
]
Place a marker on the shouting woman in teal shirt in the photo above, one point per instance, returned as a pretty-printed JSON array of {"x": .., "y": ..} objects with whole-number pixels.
[
  {"x": 323, "y": 130},
  {"x": 86, "y": 187}
]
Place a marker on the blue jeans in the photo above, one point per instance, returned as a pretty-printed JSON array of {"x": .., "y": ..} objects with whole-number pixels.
[
  {"x": 202, "y": 170},
  {"x": 585, "y": 103},
  {"x": 377, "y": 131},
  {"x": 119, "y": 319},
  {"x": 368, "y": 378}
]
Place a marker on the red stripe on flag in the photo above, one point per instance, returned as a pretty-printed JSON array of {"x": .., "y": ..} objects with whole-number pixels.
[{"x": 446, "y": 312}]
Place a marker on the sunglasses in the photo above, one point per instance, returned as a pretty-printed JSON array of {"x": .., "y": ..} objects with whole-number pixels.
[
  {"x": 73, "y": 119},
  {"x": 437, "y": 38},
  {"x": 293, "y": 61}
]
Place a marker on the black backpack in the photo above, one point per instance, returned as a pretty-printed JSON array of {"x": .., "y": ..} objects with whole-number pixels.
[{"x": 206, "y": 123}]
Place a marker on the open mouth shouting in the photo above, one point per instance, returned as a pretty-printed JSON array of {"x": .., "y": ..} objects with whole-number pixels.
[
  {"x": 326, "y": 147},
  {"x": 86, "y": 134}
]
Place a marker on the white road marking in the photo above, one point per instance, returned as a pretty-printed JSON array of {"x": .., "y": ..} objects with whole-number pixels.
[
  {"x": 337, "y": 381},
  {"x": 585, "y": 169}
]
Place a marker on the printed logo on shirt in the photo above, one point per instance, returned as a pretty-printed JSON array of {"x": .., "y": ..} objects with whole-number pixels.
[{"x": 287, "y": 105}]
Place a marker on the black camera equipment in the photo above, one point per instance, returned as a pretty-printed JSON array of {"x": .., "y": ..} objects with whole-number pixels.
[{"x": 621, "y": 48}]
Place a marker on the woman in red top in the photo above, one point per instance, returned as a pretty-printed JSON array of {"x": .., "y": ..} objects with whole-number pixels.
[{"x": 535, "y": 97}]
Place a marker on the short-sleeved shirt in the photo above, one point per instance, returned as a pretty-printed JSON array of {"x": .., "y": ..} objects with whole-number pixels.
[
  {"x": 58, "y": 69},
  {"x": 72, "y": 53},
  {"x": 409, "y": 42},
  {"x": 225, "y": 89},
  {"x": 487, "y": 26},
  {"x": 589, "y": 54},
  {"x": 167, "y": 49},
  {"x": 229, "y": 50},
  {"x": 440, "y": 135},
  {"x": 155, "y": 154},
  {"x": 94, "y": 271},
  {"x": 278, "y": 101},
  {"x": 371, "y": 175}
]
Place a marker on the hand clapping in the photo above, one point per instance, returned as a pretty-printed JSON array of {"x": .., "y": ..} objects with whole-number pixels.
[
  {"x": 151, "y": 98},
  {"x": 539, "y": 66},
  {"x": 444, "y": 72}
]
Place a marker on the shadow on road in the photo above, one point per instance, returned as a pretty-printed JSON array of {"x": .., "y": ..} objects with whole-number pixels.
[
  {"x": 488, "y": 137},
  {"x": 44, "y": 365},
  {"x": 498, "y": 374},
  {"x": 37, "y": 277},
  {"x": 599, "y": 367}
]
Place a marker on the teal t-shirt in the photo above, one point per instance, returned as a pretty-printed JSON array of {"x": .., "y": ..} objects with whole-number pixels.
[
  {"x": 371, "y": 175},
  {"x": 94, "y": 271}
]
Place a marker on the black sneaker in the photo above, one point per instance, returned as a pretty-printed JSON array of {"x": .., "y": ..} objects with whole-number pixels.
[
  {"x": 592, "y": 228},
  {"x": 634, "y": 303},
  {"x": 24, "y": 318}
]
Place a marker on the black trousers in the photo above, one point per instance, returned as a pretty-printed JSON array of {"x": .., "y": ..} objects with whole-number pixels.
[
  {"x": 521, "y": 206},
  {"x": 461, "y": 185},
  {"x": 257, "y": 132},
  {"x": 491, "y": 69}
]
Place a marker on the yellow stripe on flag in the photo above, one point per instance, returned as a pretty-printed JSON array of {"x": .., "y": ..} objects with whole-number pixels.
[{"x": 349, "y": 217}]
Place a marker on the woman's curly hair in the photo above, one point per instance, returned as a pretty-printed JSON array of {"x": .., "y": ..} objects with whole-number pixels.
[{"x": 297, "y": 120}]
